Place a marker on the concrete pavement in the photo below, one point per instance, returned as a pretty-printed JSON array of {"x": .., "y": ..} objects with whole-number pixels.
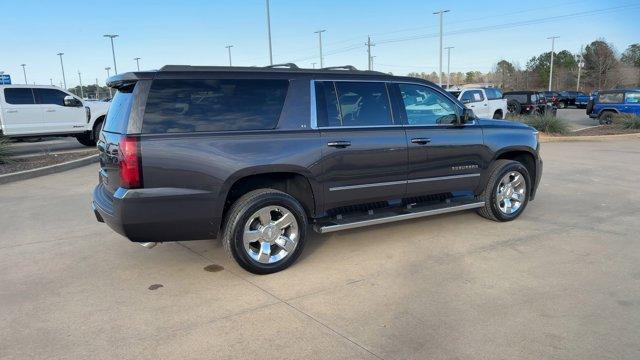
[
  {"x": 561, "y": 282},
  {"x": 46, "y": 145}
]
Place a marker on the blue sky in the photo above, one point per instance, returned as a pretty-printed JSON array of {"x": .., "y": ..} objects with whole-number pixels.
[{"x": 196, "y": 32}]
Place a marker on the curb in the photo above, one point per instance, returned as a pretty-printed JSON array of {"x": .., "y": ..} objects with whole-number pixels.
[
  {"x": 546, "y": 139},
  {"x": 48, "y": 170}
]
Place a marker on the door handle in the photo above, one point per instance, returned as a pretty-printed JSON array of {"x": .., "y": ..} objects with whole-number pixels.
[
  {"x": 51, "y": 110},
  {"x": 12, "y": 111},
  {"x": 420, "y": 141},
  {"x": 339, "y": 144}
]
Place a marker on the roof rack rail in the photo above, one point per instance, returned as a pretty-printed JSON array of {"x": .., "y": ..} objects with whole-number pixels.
[
  {"x": 343, "y": 67},
  {"x": 289, "y": 65}
]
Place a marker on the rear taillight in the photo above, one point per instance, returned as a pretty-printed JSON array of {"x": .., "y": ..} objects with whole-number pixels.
[{"x": 130, "y": 170}]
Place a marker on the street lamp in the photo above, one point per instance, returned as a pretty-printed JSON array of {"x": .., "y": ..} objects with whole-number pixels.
[
  {"x": 24, "y": 72},
  {"x": 64, "y": 79},
  {"x": 580, "y": 61},
  {"x": 449, "y": 65},
  {"x": 80, "y": 79},
  {"x": 319, "y": 32},
  {"x": 553, "y": 43},
  {"x": 113, "y": 52},
  {"x": 108, "y": 68},
  {"x": 440, "y": 13},
  {"x": 269, "y": 33},
  {"x": 137, "y": 62},
  {"x": 229, "y": 50}
]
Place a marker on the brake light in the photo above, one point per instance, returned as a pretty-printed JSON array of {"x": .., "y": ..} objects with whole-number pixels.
[{"x": 130, "y": 163}]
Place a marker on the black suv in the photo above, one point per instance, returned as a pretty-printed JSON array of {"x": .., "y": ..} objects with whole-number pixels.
[
  {"x": 258, "y": 156},
  {"x": 526, "y": 102}
]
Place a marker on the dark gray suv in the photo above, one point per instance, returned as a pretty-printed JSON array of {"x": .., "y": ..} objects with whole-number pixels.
[{"x": 258, "y": 156}]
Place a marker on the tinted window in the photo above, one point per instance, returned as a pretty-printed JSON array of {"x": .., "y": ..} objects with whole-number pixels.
[
  {"x": 118, "y": 114},
  {"x": 610, "y": 98},
  {"x": 363, "y": 103},
  {"x": 493, "y": 94},
  {"x": 472, "y": 96},
  {"x": 521, "y": 98},
  {"x": 632, "y": 98},
  {"x": 455, "y": 93},
  {"x": 50, "y": 96},
  {"x": 327, "y": 104},
  {"x": 213, "y": 105},
  {"x": 425, "y": 106},
  {"x": 18, "y": 96}
]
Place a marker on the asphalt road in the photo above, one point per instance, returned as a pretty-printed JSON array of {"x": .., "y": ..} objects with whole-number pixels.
[
  {"x": 45, "y": 145},
  {"x": 576, "y": 118},
  {"x": 561, "y": 282}
]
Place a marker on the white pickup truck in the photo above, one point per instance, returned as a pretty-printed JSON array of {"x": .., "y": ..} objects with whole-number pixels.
[
  {"x": 41, "y": 110},
  {"x": 485, "y": 102}
]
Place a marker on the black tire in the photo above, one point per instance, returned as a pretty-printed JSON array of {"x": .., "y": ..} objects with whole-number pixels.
[
  {"x": 606, "y": 117},
  {"x": 497, "y": 115},
  {"x": 498, "y": 170},
  {"x": 241, "y": 211},
  {"x": 514, "y": 107},
  {"x": 86, "y": 139},
  {"x": 589, "y": 106}
]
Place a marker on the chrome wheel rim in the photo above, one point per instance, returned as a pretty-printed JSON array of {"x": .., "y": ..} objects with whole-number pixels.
[
  {"x": 270, "y": 234},
  {"x": 511, "y": 193}
]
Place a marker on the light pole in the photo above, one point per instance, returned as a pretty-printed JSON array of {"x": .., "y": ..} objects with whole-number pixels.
[
  {"x": 449, "y": 65},
  {"x": 313, "y": 65},
  {"x": 97, "y": 90},
  {"x": 64, "y": 79},
  {"x": 553, "y": 43},
  {"x": 229, "y": 51},
  {"x": 269, "y": 33},
  {"x": 80, "y": 79},
  {"x": 137, "y": 62},
  {"x": 440, "y": 13},
  {"x": 113, "y": 52},
  {"x": 319, "y": 32},
  {"x": 24, "y": 72},
  {"x": 108, "y": 68},
  {"x": 51, "y": 81},
  {"x": 580, "y": 60}
]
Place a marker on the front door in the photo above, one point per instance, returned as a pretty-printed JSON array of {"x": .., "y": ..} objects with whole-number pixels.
[
  {"x": 58, "y": 118},
  {"x": 443, "y": 156},
  {"x": 632, "y": 102},
  {"x": 20, "y": 113},
  {"x": 364, "y": 154}
]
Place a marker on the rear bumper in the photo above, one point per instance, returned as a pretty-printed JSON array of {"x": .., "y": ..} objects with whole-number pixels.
[{"x": 157, "y": 215}]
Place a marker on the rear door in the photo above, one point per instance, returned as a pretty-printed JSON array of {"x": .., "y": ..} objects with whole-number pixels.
[
  {"x": 476, "y": 101},
  {"x": 20, "y": 113},
  {"x": 58, "y": 118},
  {"x": 443, "y": 156},
  {"x": 632, "y": 102},
  {"x": 364, "y": 152}
]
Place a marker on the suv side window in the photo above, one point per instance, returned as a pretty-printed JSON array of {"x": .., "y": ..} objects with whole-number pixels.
[
  {"x": 196, "y": 105},
  {"x": 472, "y": 96},
  {"x": 426, "y": 106},
  {"x": 611, "y": 98},
  {"x": 632, "y": 97},
  {"x": 49, "y": 96},
  {"x": 327, "y": 104},
  {"x": 363, "y": 103},
  {"x": 19, "y": 96}
]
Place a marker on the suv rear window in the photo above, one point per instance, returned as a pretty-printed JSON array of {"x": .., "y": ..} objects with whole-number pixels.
[
  {"x": 118, "y": 114},
  {"x": 213, "y": 105},
  {"x": 19, "y": 96},
  {"x": 353, "y": 103},
  {"x": 521, "y": 98}
]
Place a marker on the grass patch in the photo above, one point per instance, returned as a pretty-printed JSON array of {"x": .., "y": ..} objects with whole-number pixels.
[
  {"x": 627, "y": 121},
  {"x": 547, "y": 124},
  {"x": 4, "y": 150}
]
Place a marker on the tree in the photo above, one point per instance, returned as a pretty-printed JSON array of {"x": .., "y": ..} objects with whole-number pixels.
[
  {"x": 631, "y": 56},
  {"x": 505, "y": 71},
  {"x": 600, "y": 63},
  {"x": 563, "y": 61}
]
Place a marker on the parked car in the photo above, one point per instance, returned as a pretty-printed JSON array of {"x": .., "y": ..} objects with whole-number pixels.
[
  {"x": 526, "y": 102},
  {"x": 33, "y": 110},
  {"x": 260, "y": 156},
  {"x": 485, "y": 102},
  {"x": 553, "y": 97},
  {"x": 611, "y": 102},
  {"x": 582, "y": 99}
]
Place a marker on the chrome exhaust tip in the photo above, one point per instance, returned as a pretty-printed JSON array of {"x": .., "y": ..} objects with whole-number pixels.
[{"x": 148, "y": 245}]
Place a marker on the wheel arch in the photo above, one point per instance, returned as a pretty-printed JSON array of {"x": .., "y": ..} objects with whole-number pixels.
[{"x": 523, "y": 155}]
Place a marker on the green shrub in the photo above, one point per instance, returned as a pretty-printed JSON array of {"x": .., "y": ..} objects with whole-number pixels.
[
  {"x": 4, "y": 150},
  {"x": 627, "y": 121},
  {"x": 546, "y": 124}
]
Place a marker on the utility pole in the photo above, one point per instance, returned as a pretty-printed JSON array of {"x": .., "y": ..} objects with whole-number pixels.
[
  {"x": 64, "y": 79},
  {"x": 373, "y": 57},
  {"x": 553, "y": 43},
  {"x": 51, "y": 81},
  {"x": 440, "y": 13},
  {"x": 580, "y": 60},
  {"x": 81, "y": 90},
  {"x": 137, "y": 62},
  {"x": 319, "y": 32},
  {"x": 229, "y": 50},
  {"x": 113, "y": 52},
  {"x": 24, "y": 72},
  {"x": 369, "y": 59},
  {"x": 108, "y": 68},
  {"x": 313, "y": 65},
  {"x": 449, "y": 65},
  {"x": 269, "y": 33},
  {"x": 97, "y": 91}
]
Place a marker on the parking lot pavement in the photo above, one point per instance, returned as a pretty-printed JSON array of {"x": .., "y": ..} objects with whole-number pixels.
[
  {"x": 46, "y": 145},
  {"x": 562, "y": 281},
  {"x": 576, "y": 118}
]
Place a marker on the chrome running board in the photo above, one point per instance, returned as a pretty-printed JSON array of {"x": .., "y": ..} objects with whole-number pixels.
[{"x": 408, "y": 214}]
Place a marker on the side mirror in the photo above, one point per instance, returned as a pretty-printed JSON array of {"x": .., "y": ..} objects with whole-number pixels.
[
  {"x": 466, "y": 116},
  {"x": 71, "y": 101}
]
